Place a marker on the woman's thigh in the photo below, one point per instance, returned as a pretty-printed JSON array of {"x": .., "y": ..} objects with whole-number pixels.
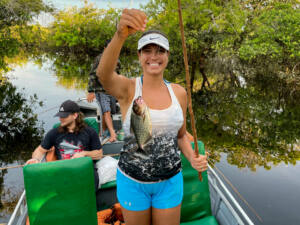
[
  {"x": 137, "y": 217},
  {"x": 169, "y": 216}
]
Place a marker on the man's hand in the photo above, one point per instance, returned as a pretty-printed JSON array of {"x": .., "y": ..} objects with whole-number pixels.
[
  {"x": 132, "y": 20},
  {"x": 78, "y": 155},
  {"x": 90, "y": 97},
  {"x": 32, "y": 161},
  {"x": 200, "y": 163}
]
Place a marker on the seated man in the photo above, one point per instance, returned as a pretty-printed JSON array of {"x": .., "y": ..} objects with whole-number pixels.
[
  {"x": 72, "y": 139},
  {"x": 105, "y": 101}
]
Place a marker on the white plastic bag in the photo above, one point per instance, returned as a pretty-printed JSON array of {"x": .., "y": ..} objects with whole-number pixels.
[{"x": 107, "y": 169}]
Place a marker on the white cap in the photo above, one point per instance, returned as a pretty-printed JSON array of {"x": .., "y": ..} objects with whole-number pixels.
[{"x": 153, "y": 38}]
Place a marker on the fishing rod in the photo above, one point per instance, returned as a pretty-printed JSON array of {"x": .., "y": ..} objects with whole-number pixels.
[
  {"x": 47, "y": 110},
  {"x": 188, "y": 84},
  {"x": 18, "y": 166},
  {"x": 57, "y": 106}
]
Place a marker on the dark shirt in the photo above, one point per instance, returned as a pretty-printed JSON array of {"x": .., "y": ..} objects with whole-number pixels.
[
  {"x": 67, "y": 144},
  {"x": 94, "y": 85}
]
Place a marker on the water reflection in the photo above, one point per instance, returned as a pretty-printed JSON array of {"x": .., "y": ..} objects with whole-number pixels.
[
  {"x": 72, "y": 71},
  {"x": 251, "y": 124},
  {"x": 20, "y": 132}
]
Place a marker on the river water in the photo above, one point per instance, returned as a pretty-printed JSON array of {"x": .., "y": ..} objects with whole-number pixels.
[{"x": 273, "y": 194}]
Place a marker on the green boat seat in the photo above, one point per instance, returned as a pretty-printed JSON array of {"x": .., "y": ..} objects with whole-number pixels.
[
  {"x": 111, "y": 184},
  {"x": 196, "y": 206},
  {"x": 61, "y": 192},
  {"x": 91, "y": 122},
  {"x": 209, "y": 220}
]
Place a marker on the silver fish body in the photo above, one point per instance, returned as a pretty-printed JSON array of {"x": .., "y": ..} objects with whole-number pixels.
[{"x": 140, "y": 122}]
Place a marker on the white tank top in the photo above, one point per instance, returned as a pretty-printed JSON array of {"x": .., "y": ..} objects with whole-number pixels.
[{"x": 163, "y": 159}]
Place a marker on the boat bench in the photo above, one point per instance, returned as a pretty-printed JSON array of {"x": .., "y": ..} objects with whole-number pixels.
[
  {"x": 61, "y": 192},
  {"x": 196, "y": 205}
]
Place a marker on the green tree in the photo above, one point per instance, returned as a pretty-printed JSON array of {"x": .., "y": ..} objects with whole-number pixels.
[
  {"x": 16, "y": 13},
  {"x": 81, "y": 31},
  {"x": 247, "y": 55}
]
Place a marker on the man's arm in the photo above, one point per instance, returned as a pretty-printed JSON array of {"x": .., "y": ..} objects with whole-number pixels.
[
  {"x": 94, "y": 154},
  {"x": 94, "y": 144},
  {"x": 37, "y": 155}
]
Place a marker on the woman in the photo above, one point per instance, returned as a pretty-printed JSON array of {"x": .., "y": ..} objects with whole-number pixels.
[{"x": 149, "y": 182}]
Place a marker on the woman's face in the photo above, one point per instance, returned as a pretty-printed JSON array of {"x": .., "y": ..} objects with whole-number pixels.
[{"x": 153, "y": 59}]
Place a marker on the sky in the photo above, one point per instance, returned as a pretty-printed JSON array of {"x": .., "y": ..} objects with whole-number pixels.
[
  {"x": 99, "y": 3},
  {"x": 45, "y": 19}
]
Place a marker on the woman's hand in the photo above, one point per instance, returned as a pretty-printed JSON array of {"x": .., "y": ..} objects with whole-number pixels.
[
  {"x": 132, "y": 20},
  {"x": 199, "y": 163}
]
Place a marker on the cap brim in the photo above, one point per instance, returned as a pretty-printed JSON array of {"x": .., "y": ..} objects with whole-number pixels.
[
  {"x": 155, "y": 43},
  {"x": 62, "y": 114},
  {"x": 153, "y": 38}
]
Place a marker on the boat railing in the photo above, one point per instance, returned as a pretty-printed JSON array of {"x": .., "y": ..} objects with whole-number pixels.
[
  {"x": 224, "y": 206},
  {"x": 19, "y": 215}
]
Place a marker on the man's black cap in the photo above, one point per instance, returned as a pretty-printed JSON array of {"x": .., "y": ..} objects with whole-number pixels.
[{"x": 68, "y": 107}]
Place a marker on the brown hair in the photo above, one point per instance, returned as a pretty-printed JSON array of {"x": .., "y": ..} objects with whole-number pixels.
[{"x": 79, "y": 124}]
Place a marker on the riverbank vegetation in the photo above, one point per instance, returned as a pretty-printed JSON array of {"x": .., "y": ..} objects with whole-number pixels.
[{"x": 244, "y": 59}]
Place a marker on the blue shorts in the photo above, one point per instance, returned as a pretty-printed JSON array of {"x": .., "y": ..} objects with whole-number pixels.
[{"x": 136, "y": 196}]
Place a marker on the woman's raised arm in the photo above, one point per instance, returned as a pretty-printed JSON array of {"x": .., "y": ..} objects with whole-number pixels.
[{"x": 132, "y": 20}]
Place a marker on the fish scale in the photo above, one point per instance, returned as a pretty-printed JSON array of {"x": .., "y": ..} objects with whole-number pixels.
[{"x": 140, "y": 122}]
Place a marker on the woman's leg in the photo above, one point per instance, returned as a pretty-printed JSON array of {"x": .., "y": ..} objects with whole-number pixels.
[
  {"x": 137, "y": 217},
  {"x": 166, "y": 204},
  {"x": 135, "y": 203},
  {"x": 166, "y": 216}
]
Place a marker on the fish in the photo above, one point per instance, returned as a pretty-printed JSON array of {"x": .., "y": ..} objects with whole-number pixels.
[{"x": 140, "y": 122}]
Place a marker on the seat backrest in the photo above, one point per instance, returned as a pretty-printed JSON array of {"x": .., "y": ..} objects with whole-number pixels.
[
  {"x": 91, "y": 122},
  {"x": 61, "y": 192},
  {"x": 196, "y": 201}
]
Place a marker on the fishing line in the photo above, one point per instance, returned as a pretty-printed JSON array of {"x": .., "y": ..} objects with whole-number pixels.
[
  {"x": 236, "y": 191},
  {"x": 47, "y": 110},
  {"x": 130, "y": 4},
  {"x": 18, "y": 166}
]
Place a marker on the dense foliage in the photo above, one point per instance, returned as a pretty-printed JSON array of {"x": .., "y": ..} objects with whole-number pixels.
[
  {"x": 244, "y": 59},
  {"x": 81, "y": 30},
  {"x": 244, "y": 64}
]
